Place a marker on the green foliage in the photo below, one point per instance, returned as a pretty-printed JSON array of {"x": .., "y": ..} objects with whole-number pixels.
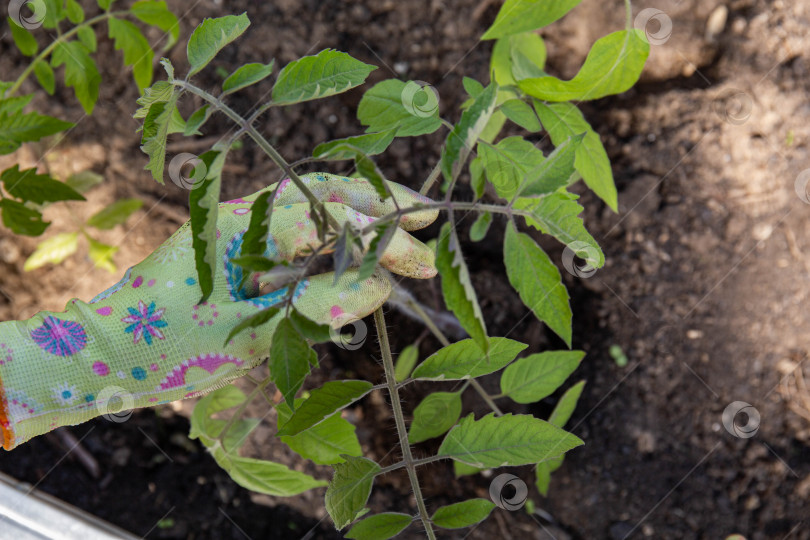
[
  {"x": 245, "y": 76},
  {"x": 459, "y": 294},
  {"x": 290, "y": 360},
  {"x": 114, "y": 214},
  {"x": 520, "y": 15},
  {"x": 510, "y": 176},
  {"x": 380, "y": 526},
  {"x": 537, "y": 376},
  {"x": 465, "y": 359},
  {"x": 211, "y": 36},
  {"x": 350, "y": 489},
  {"x": 312, "y": 77},
  {"x": 494, "y": 441},
  {"x": 463, "y": 514},
  {"x": 434, "y": 415},
  {"x": 537, "y": 281}
]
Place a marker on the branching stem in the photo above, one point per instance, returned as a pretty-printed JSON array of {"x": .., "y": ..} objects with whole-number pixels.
[{"x": 408, "y": 461}]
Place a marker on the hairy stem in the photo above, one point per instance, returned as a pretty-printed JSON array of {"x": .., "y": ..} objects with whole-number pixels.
[
  {"x": 388, "y": 365},
  {"x": 431, "y": 179},
  {"x": 447, "y": 206},
  {"x": 263, "y": 143},
  {"x": 629, "y": 15}
]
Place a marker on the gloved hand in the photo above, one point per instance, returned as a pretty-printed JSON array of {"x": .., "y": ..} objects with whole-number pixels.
[{"x": 145, "y": 339}]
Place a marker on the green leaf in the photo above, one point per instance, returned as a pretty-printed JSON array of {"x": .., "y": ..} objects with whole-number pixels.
[
  {"x": 366, "y": 168},
  {"x": 380, "y": 526},
  {"x": 53, "y": 250},
  {"x": 87, "y": 36},
  {"x": 369, "y": 144},
  {"x": 81, "y": 72},
  {"x": 161, "y": 91},
  {"x": 319, "y": 333},
  {"x": 434, "y": 415},
  {"x": 323, "y": 402},
  {"x": 565, "y": 407},
  {"x": 382, "y": 108},
  {"x": 254, "y": 241},
  {"x": 535, "y": 377},
  {"x": 521, "y": 113},
  {"x": 563, "y": 120},
  {"x": 383, "y": 234},
  {"x": 527, "y": 53},
  {"x": 246, "y": 75},
  {"x": 203, "y": 203},
  {"x": 38, "y": 188},
  {"x": 465, "y": 360},
  {"x": 114, "y": 214},
  {"x": 202, "y": 426},
  {"x": 25, "y": 40},
  {"x": 472, "y": 87},
  {"x": 14, "y": 105},
  {"x": 266, "y": 476},
  {"x": 211, "y": 36},
  {"x": 290, "y": 359},
  {"x": 45, "y": 76},
  {"x": 462, "y": 469},
  {"x": 612, "y": 66},
  {"x": 461, "y": 140},
  {"x": 254, "y": 321},
  {"x": 137, "y": 52},
  {"x": 495, "y": 441},
  {"x": 105, "y": 4},
  {"x": 21, "y": 219},
  {"x": 84, "y": 180},
  {"x": 517, "y": 16},
  {"x": 479, "y": 229},
  {"x": 102, "y": 254},
  {"x": 459, "y": 294},
  {"x": 558, "y": 215},
  {"x": 312, "y": 77},
  {"x": 509, "y": 163},
  {"x": 554, "y": 172},
  {"x": 156, "y": 13},
  {"x": 343, "y": 251},
  {"x": 542, "y": 475},
  {"x": 350, "y": 489},
  {"x": 54, "y": 12},
  {"x": 255, "y": 263},
  {"x": 74, "y": 11},
  {"x": 237, "y": 433},
  {"x": 155, "y": 132},
  {"x": 30, "y": 127},
  {"x": 405, "y": 362},
  {"x": 324, "y": 443},
  {"x": 196, "y": 120},
  {"x": 537, "y": 281},
  {"x": 478, "y": 179},
  {"x": 463, "y": 514}
]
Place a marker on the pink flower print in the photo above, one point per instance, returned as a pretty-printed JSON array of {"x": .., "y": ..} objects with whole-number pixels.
[
  {"x": 145, "y": 322},
  {"x": 60, "y": 337}
]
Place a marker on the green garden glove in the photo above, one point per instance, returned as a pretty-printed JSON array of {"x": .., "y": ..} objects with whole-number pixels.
[{"x": 145, "y": 341}]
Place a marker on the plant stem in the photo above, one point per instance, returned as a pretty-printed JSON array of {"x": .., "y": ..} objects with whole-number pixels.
[
  {"x": 388, "y": 364},
  {"x": 485, "y": 396},
  {"x": 431, "y": 179},
  {"x": 629, "y": 15},
  {"x": 49, "y": 49},
  {"x": 448, "y": 206},
  {"x": 263, "y": 143}
]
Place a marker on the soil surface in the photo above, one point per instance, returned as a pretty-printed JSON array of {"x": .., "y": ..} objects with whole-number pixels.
[{"x": 707, "y": 274}]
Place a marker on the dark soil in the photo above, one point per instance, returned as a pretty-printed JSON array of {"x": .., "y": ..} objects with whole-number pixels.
[{"x": 707, "y": 276}]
